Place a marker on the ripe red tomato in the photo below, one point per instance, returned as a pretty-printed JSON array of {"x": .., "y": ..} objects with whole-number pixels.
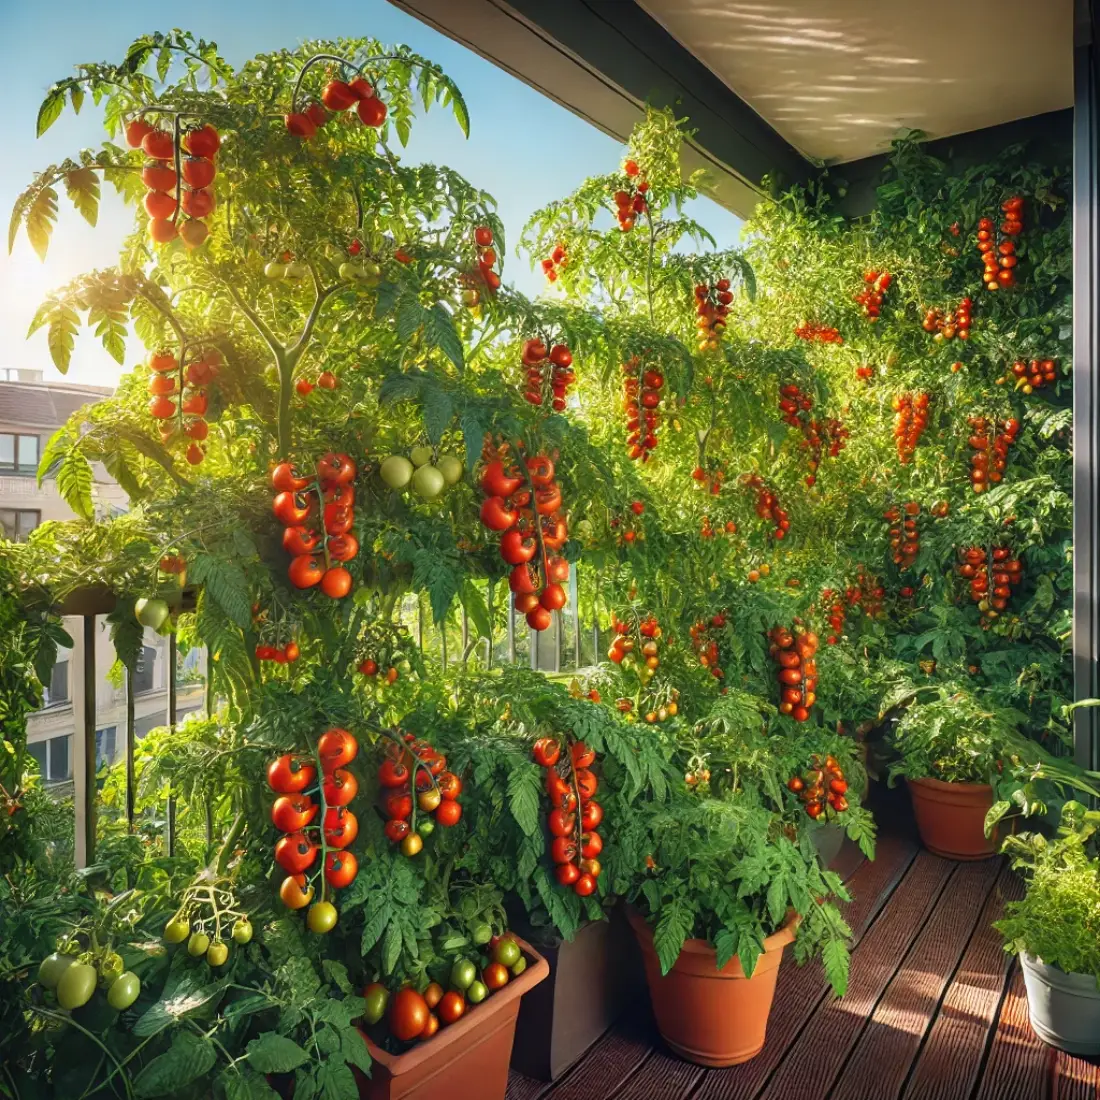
[
  {"x": 203, "y": 142},
  {"x": 567, "y": 873},
  {"x": 591, "y": 845},
  {"x": 343, "y": 547},
  {"x": 336, "y": 748},
  {"x": 587, "y": 784},
  {"x": 136, "y": 130},
  {"x": 553, "y": 597},
  {"x": 557, "y": 570},
  {"x": 295, "y": 853},
  {"x": 198, "y": 204},
  {"x": 338, "y": 96},
  {"x": 483, "y": 235},
  {"x": 547, "y": 751},
  {"x": 340, "y": 788},
  {"x": 496, "y": 515},
  {"x": 516, "y": 548},
  {"x": 591, "y": 816},
  {"x": 336, "y": 583},
  {"x": 289, "y": 774},
  {"x": 583, "y": 756},
  {"x": 293, "y": 812},
  {"x": 292, "y": 509},
  {"x": 299, "y": 540},
  {"x": 585, "y": 885},
  {"x": 563, "y": 849},
  {"x": 338, "y": 519},
  {"x": 495, "y": 482},
  {"x": 495, "y": 976},
  {"x": 408, "y": 1014},
  {"x": 295, "y": 892},
  {"x": 538, "y": 618},
  {"x": 372, "y": 112},
  {"x": 453, "y": 1005},
  {"x": 340, "y": 869},
  {"x": 396, "y": 830},
  {"x": 305, "y": 571},
  {"x": 449, "y": 813},
  {"x": 561, "y": 824},
  {"x": 393, "y": 773},
  {"x": 198, "y": 172},
  {"x": 397, "y": 804},
  {"x": 450, "y": 786},
  {"x": 159, "y": 145},
  {"x": 341, "y": 827}
]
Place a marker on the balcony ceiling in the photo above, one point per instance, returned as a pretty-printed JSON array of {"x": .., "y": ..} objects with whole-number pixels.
[{"x": 840, "y": 78}]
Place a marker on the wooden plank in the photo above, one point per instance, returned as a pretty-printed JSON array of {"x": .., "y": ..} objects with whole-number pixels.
[
  {"x": 1018, "y": 1063},
  {"x": 823, "y": 1046},
  {"x": 951, "y": 1060},
  {"x": 801, "y": 988},
  {"x": 662, "y": 1077},
  {"x": 1074, "y": 1078},
  {"x": 522, "y": 1087},
  {"x": 892, "y": 1037}
]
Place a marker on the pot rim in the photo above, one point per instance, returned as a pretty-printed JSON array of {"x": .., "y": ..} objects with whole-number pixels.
[
  {"x": 941, "y": 784},
  {"x": 1038, "y": 965},
  {"x": 775, "y": 942},
  {"x": 473, "y": 1021}
]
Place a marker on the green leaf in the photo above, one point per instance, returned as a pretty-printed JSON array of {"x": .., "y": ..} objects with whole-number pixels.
[
  {"x": 474, "y": 603},
  {"x": 837, "y": 960},
  {"x": 186, "y": 1060},
  {"x": 354, "y": 1049},
  {"x": 82, "y": 186},
  {"x": 391, "y": 947},
  {"x": 76, "y": 97},
  {"x": 410, "y": 316},
  {"x": 336, "y": 1080},
  {"x": 438, "y": 408},
  {"x": 245, "y": 1085},
  {"x": 524, "y": 789},
  {"x": 226, "y": 585},
  {"x": 74, "y": 483},
  {"x": 337, "y": 974},
  {"x": 40, "y": 218},
  {"x": 440, "y": 328},
  {"x": 55, "y": 451},
  {"x": 188, "y": 994},
  {"x": 51, "y": 108},
  {"x": 275, "y": 1053},
  {"x": 673, "y": 928}
]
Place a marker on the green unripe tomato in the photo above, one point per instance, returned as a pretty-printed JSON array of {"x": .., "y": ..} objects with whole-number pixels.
[
  {"x": 376, "y": 997},
  {"x": 507, "y": 952},
  {"x": 76, "y": 986},
  {"x": 242, "y": 931},
  {"x": 451, "y": 468},
  {"x": 110, "y": 966},
  {"x": 463, "y": 974},
  {"x": 481, "y": 933},
  {"x": 396, "y": 471},
  {"x": 321, "y": 917},
  {"x": 428, "y": 483},
  {"x": 217, "y": 953},
  {"x": 420, "y": 456},
  {"x": 477, "y": 993},
  {"x": 51, "y": 969},
  {"x": 197, "y": 944},
  {"x": 425, "y": 826},
  {"x": 124, "y": 990},
  {"x": 177, "y": 930},
  {"x": 518, "y": 967},
  {"x": 275, "y": 271}
]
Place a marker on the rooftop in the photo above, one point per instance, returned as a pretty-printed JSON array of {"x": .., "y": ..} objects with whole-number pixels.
[{"x": 33, "y": 403}]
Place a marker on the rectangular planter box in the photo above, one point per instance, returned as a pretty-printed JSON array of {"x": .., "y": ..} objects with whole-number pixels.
[
  {"x": 468, "y": 1060},
  {"x": 593, "y": 978}
]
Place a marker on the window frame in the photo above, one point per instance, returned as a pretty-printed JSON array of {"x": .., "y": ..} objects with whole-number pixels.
[
  {"x": 16, "y": 514},
  {"x": 17, "y": 469}
]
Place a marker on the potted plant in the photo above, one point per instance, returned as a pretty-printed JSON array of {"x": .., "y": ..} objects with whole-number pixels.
[
  {"x": 1055, "y": 930},
  {"x": 967, "y": 764}
]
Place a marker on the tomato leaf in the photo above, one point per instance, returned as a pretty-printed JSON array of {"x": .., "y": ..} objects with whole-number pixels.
[
  {"x": 524, "y": 790},
  {"x": 440, "y": 329},
  {"x": 187, "y": 1059},
  {"x": 275, "y": 1053},
  {"x": 226, "y": 584},
  {"x": 51, "y": 108},
  {"x": 74, "y": 483},
  {"x": 40, "y": 218},
  {"x": 82, "y": 185}
]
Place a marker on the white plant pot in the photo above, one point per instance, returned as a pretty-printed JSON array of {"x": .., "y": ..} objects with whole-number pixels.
[{"x": 1064, "y": 1008}]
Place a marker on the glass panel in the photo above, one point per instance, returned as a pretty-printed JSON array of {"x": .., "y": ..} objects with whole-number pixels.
[
  {"x": 37, "y": 749},
  {"x": 28, "y": 453},
  {"x": 143, "y": 672},
  {"x": 26, "y": 521},
  {"x": 105, "y": 746},
  {"x": 60, "y": 765},
  {"x": 58, "y": 689},
  {"x": 7, "y": 451}
]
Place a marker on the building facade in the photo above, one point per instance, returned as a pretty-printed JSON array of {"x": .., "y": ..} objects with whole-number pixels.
[{"x": 31, "y": 410}]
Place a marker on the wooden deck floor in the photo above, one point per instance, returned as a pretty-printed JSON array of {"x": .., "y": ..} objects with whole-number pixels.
[{"x": 935, "y": 1009}]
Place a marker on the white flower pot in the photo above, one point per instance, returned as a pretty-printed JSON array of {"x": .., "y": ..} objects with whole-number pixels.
[{"x": 1064, "y": 1008}]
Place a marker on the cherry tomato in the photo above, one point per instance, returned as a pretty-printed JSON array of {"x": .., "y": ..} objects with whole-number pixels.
[
  {"x": 563, "y": 850},
  {"x": 591, "y": 816},
  {"x": 408, "y": 1014},
  {"x": 340, "y": 869},
  {"x": 397, "y": 804},
  {"x": 585, "y": 885},
  {"x": 507, "y": 951},
  {"x": 396, "y": 830},
  {"x": 449, "y": 813},
  {"x": 450, "y": 786},
  {"x": 547, "y": 751},
  {"x": 451, "y": 1007},
  {"x": 393, "y": 773},
  {"x": 341, "y": 827},
  {"x": 562, "y": 824},
  {"x": 340, "y": 788},
  {"x": 290, "y": 774},
  {"x": 495, "y": 976},
  {"x": 583, "y": 756},
  {"x": 336, "y": 748},
  {"x": 293, "y": 812},
  {"x": 321, "y": 917},
  {"x": 586, "y": 784},
  {"x": 567, "y": 873},
  {"x": 376, "y": 996},
  {"x": 295, "y": 853},
  {"x": 295, "y": 892}
]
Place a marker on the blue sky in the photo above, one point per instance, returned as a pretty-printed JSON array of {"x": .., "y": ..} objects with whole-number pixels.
[{"x": 523, "y": 148}]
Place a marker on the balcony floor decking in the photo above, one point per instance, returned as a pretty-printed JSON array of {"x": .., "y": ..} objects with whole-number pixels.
[{"x": 935, "y": 1009}]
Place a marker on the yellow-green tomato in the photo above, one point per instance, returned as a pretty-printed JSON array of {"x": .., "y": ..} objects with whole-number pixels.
[
  {"x": 217, "y": 953},
  {"x": 477, "y": 993},
  {"x": 463, "y": 974},
  {"x": 76, "y": 986},
  {"x": 518, "y": 967},
  {"x": 376, "y": 997},
  {"x": 177, "y": 930},
  {"x": 197, "y": 944},
  {"x": 321, "y": 917},
  {"x": 507, "y": 952},
  {"x": 242, "y": 931},
  {"x": 124, "y": 990},
  {"x": 52, "y": 968}
]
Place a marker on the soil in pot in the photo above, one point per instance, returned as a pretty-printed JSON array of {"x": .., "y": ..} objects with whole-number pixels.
[
  {"x": 1064, "y": 1008},
  {"x": 467, "y": 1060},
  {"x": 709, "y": 1016},
  {"x": 951, "y": 818},
  {"x": 593, "y": 978}
]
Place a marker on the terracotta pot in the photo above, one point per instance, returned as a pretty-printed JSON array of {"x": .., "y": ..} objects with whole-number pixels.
[
  {"x": 593, "y": 978},
  {"x": 467, "y": 1060},
  {"x": 951, "y": 818},
  {"x": 709, "y": 1016}
]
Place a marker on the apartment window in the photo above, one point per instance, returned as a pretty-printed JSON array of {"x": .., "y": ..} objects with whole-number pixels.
[
  {"x": 17, "y": 523},
  {"x": 143, "y": 670},
  {"x": 18, "y": 453},
  {"x": 57, "y": 691},
  {"x": 54, "y": 758},
  {"x": 105, "y": 746}
]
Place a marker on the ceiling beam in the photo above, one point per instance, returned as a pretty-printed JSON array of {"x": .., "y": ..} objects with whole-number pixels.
[{"x": 605, "y": 62}]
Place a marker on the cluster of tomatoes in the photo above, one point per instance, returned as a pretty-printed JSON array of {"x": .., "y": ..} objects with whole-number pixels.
[
  {"x": 487, "y": 275},
  {"x": 910, "y": 420},
  {"x": 549, "y": 373},
  {"x": 873, "y": 294},
  {"x": 177, "y": 391},
  {"x": 997, "y": 244},
  {"x": 638, "y": 637},
  {"x": 707, "y": 530},
  {"x": 572, "y": 785},
  {"x": 822, "y": 785},
  {"x": 710, "y": 477},
  {"x": 950, "y": 324},
  {"x": 767, "y": 505},
  {"x": 293, "y": 777},
  {"x": 989, "y": 446},
  {"x": 326, "y": 380},
  {"x": 904, "y": 534},
  {"x": 657, "y": 708},
  {"x": 416, "y": 766},
  {"x": 629, "y": 528},
  {"x": 369, "y": 667},
  {"x": 712, "y": 307},
  {"x": 338, "y": 96},
  {"x": 629, "y": 204},
  {"x": 557, "y": 259},
  {"x": 865, "y": 372},
  {"x": 298, "y": 500},
  {"x": 416, "y": 1017},
  {"x": 641, "y": 403},
  {"x": 170, "y": 194},
  {"x": 1034, "y": 374},
  {"x": 794, "y": 652},
  {"x": 866, "y": 593},
  {"x": 814, "y": 332},
  {"x": 272, "y": 647},
  {"x": 524, "y": 505},
  {"x": 1007, "y": 571},
  {"x": 837, "y": 611},
  {"x": 795, "y": 405},
  {"x": 705, "y": 644}
]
